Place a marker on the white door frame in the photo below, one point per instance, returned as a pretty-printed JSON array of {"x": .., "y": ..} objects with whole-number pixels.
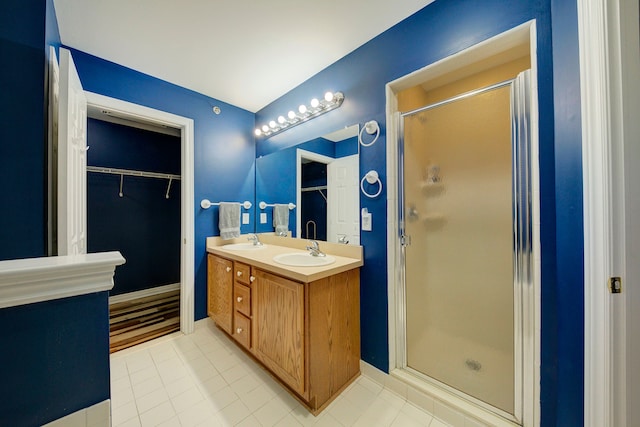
[
  {"x": 609, "y": 66},
  {"x": 187, "y": 257},
  {"x": 309, "y": 155},
  {"x": 524, "y": 33}
]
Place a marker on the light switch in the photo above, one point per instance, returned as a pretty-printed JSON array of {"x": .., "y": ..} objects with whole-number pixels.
[
  {"x": 245, "y": 218},
  {"x": 366, "y": 220},
  {"x": 263, "y": 217}
]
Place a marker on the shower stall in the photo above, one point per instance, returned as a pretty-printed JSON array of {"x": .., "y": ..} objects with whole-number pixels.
[{"x": 464, "y": 216}]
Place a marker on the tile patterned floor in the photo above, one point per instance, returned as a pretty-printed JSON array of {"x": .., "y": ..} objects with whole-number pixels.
[{"x": 204, "y": 379}]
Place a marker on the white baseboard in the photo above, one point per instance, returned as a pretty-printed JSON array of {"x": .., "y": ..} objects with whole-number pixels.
[
  {"x": 144, "y": 293},
  {"x": 98, "y": 415}
]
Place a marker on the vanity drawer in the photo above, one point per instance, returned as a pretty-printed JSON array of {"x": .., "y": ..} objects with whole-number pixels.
[
  {"x": 242, "y": 299},
  {"x": 242, "y": 272},
  {"x": 242, "y": 329}
]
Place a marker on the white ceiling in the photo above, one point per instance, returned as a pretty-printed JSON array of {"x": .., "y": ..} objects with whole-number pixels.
[{"x": 243, "y": 52}]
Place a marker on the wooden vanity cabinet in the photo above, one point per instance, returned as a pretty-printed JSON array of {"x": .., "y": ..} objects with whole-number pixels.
[
  {"x": 306, "y": 334},
  {"x": 279, "y": 328},
  {"x": 242, "y": 304},
  {"x": 220, "y": 291}
]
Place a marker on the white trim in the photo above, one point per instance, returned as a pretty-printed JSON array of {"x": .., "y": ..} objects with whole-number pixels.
[
  {"x": 143, "y": 293},
  {"x": 309, "y": 155},
  {"x": 187, "y": 210},
  {"x": 26, "y": 281},
  {"x": 524, "y": 33},
  {"x": 596, "y": 162},
  {"x": 98, "y": 415}
]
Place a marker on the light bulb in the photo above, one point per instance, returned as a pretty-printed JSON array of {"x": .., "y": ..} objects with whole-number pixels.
[
  {"x": 328, "y": 96},
  {"x": 258, "y": 132},
  {"x": 291, "y": 115},
  {"x": 315, "y": 103},
  {"x": 281, "y": 119},
  {"x": 302, "y": 109},
  {"x": 265, "y": 128},
  {"x": 272, "y": 124}
]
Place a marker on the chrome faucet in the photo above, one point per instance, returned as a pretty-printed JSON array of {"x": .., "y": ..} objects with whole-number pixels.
[
  {"x": 315, "y": 249},
  {"x": 255, "y": 239}
]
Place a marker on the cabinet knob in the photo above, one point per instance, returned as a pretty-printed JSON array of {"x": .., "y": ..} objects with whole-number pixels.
[
  {"x": 239, "y": 299},
  {"x": 228, "y": 269},
  {"x": 252, "y": 278},
  {"x": 239, "y": 331},
  {"x": 239, "y": 273}
]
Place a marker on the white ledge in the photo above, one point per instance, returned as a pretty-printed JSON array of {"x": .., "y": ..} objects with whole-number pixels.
[{"x": 25, "y": 281}]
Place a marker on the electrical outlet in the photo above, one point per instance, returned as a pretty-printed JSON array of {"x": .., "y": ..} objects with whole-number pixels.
[
  {"x": 263, "y": 217},
  {"x": 245, "y": 218}
]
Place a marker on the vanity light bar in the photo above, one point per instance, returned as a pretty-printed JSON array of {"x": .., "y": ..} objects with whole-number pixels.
[{"x": 316, "y": 107}]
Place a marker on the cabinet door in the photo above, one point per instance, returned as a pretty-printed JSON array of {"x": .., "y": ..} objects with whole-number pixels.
[
  {"x": 279, "y": 339},
  {"x": 220, "y": 291}
]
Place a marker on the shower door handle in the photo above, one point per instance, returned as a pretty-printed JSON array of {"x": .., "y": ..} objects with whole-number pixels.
[{"x": 405, "y": 240}]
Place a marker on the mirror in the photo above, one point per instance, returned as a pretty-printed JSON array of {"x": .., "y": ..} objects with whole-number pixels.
[{"x": 320, "y": 177}]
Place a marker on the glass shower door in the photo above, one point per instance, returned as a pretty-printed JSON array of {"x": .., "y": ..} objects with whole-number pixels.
[{"x": 458, "y": 214}]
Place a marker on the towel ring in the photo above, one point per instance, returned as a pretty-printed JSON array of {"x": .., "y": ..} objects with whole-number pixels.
[
  {"x": 371, "y": 127},
  {"x": 372, "y": 178}
]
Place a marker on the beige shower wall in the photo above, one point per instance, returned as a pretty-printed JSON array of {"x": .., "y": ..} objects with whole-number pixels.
[
  {"x": 460, "y": 300},
  {"x": 492, "y": 70}
]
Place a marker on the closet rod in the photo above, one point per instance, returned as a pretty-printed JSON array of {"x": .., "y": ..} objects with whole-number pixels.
[
  {"x": 319, "y": 187},
  {"x": 129, "y": 172}
]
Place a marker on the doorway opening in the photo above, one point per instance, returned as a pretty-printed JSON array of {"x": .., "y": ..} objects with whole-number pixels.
[{"x": 182, "y": 129}]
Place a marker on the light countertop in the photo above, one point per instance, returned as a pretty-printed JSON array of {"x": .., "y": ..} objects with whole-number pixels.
[{"x": 347, "y": 257}]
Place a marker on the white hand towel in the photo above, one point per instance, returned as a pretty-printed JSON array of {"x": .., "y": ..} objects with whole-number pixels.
[
  {"x": 281, "y": 218},
  {"x": 229, "y": 220}
]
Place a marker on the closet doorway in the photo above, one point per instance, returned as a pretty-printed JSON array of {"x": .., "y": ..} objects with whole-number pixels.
[
  {"x": 168, "y": 191},
  {"x": 133, "y": 206}
]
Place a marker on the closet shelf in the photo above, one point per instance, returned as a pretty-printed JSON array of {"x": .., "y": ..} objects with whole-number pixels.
[
  {"x": 317, "y": 188},
  {"x": 129, "y": 172}
]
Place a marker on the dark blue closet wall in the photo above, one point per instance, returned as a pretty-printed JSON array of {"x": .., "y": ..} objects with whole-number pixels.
[
  {"x": 142, "y": 224},
  {"x": 437, "y": 31},
  {"x": 224, "y": 151}
]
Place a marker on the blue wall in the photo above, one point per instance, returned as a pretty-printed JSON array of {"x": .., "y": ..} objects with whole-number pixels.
[
  {"x": 437, "y": 31},
  {"x": 22, "y": 128},
  {"x": 224, "y": 148},
  {"x": 44, "y": 376},
  {"x": 142, "y": 224},
  {"x": 54, "y": 359}
]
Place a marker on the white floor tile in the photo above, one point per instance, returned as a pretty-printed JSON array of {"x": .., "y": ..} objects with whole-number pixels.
[
  {"x": 272, "y": 412},
  {"x": 204, "y": 379},
  {"x": 152, "y": 400},
  {"x": 147, "y": 387},
  {"x": 404, "y": 420},
  {"x": 124, "y": 413},
  {"x": 133, "y": 422},
  {"x": 437, "y": 423},
  {"x": 157, "y": 415},
  {"x": 186, "y": 400},
  {"x": 288, "y": 421},
  {"x": 234, "y": 413},
  {"x": 143, "y": 375}
]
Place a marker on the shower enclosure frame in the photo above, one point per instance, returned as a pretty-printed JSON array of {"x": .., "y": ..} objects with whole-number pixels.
[{"x": 527, "y": 409}]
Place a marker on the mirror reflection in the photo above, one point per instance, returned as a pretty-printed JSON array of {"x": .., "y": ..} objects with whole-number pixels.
[{"x": 320, "y": 177}]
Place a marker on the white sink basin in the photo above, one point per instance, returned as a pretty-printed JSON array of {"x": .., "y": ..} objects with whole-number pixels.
[
  {"x": 302, "y": 259},
  {"x": 243, "y": 246}
]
